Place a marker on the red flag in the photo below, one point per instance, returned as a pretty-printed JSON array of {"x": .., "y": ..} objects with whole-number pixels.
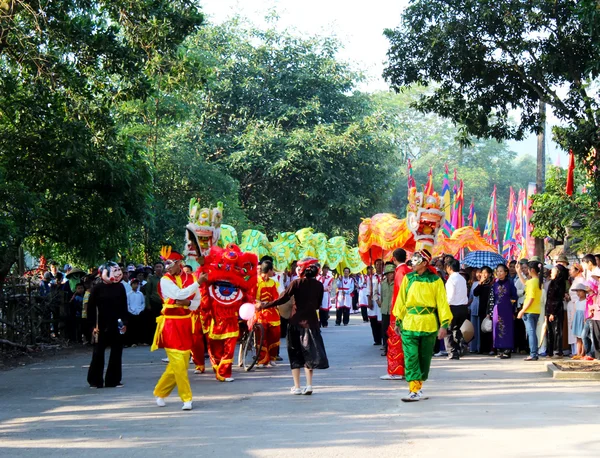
[
  {"x": 429, "y": 186},
  {"x": 570, "y": 172}
]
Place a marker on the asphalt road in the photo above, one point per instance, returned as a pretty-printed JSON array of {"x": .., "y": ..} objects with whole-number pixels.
[{"x": 479, "y": 407}]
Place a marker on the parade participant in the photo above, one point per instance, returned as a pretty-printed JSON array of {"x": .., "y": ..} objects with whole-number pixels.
[
  {"x": 457, "y": 295},
  {"x": 345, "y": 287},
  {"x": 175, "y": 327},
  {"x": 232, "y": 278},
  {"x": 363, "y": 285},
  {"x": 387, "y": 291},
  {"x": 304, "y": 342},
  {"x": 267, "y": 291},
  {"x": 374, "y": 310},
  {"x": 107, "y": 305},
  {"x": 394, "y": 352},
  {"x": 420, "y": 306},
  {"x": 326, "y": 280}
]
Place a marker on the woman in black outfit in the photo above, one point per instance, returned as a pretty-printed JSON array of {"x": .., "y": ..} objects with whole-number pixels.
[
  {"x": 555, "y": 310},
  {"x": 483, "y": 291},
  {"x": 304, "y": 342}
]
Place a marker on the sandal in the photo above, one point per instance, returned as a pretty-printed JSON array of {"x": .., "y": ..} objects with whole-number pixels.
[
  {"x": 295, "y": 390},
  {"x": 308, "y": 390}
]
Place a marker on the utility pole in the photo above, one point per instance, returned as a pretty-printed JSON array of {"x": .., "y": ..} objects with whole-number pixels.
[{"x": 541, "y": 171}]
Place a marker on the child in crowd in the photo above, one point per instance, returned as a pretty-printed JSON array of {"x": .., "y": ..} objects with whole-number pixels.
[
  {"x": 135, "y": 306},
  {"x": 577, "y": 326},
  {"x": 76, "y": 313}
]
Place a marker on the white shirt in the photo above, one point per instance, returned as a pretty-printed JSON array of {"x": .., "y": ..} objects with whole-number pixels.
[
  {"x": 169, "y": 289},
  {"x": 456, "y": 289},
  {"x": 135, "y": 302},
  {"x": 127, "y": 286}
]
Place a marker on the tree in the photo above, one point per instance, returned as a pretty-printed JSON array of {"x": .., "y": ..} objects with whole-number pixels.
[
  {"x": 66, "y": 175},
  {"x": 431, "y": 142},
  {"x": 484, "y": 59},
  {"x": 555, "y": 211}
]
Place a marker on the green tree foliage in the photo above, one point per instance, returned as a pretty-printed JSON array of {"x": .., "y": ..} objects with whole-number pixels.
[
  {"x": 487, "y": 58},
  {"x": 66, "y": 175},
  {"x": 555, "y": 211}
]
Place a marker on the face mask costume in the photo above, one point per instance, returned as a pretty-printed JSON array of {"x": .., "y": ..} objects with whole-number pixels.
[
  {"x": 110, "y": 272},
  {"x": 232, "y": 279},
  {"x": 202, "y": 232},
  {"x": 424, "y": 217}
]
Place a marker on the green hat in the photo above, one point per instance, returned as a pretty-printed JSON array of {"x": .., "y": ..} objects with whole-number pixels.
[
  {"x": 535, "y": 259},
  {"x": 389, "y": 269}
]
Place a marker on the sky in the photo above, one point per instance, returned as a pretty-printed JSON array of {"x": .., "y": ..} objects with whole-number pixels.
[{"x": 359, "y": 27}]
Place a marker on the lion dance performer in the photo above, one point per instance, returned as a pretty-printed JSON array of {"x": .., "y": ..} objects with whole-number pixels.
[
  {"x": 232, "y": 279},
  {"x": 421, "y": 303},
  {"x": 201, "y": 234},
  {"x": 175, "y": 327},
  {"x": 268, "y": 291}
]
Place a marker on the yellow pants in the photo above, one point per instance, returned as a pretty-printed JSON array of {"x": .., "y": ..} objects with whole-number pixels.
[{"x": 176, "y": 373}]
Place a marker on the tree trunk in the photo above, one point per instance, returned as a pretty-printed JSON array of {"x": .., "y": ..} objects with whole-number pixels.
[
  {"x": 8, "y": 258},
  {"x": 541, "y": 171}
]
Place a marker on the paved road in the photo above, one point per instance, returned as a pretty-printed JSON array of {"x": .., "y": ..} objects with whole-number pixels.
[{"x": 479, "y": 407}]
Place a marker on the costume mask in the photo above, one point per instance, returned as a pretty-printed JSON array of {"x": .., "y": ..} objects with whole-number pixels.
[
  {"x": 111, "y": 272},
  {"x": 424, "y": 217},
  {"x": 203, "y": 230}
]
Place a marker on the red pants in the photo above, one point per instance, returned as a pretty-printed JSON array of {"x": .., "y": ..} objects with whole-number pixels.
[
  {"x": 198, "y": 350},
  {"x": 221, "y": 356},
  {"x": 270, "y": 343},
  {"x": 395, "y": 353}
]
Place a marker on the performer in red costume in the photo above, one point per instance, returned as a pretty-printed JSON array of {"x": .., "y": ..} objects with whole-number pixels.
[
  {"x": 175, "y": 327},
  {"x": 267, "y": 291},
  {"x": 395, "y": 355},
  {"x": 231, "y": 282}
]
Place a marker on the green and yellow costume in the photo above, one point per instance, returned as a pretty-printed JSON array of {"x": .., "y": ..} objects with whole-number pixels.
[{"x": 421, "y": 308}]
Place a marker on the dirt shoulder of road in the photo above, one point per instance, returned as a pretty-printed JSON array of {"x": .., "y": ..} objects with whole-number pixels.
[{"x": 12, "y": 359}]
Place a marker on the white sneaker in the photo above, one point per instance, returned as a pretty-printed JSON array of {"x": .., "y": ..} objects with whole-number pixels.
[
  {"x": 391, "y": 377},
  {"x": 165, "y": 360},
  {"x": 187, "y": 405},
  {"x": 422, "y": 396},
  {"x": 272, "y": 364},
  {"x": 411, "y": 397},
  {"x": 439, "y": 354},
  {"x": 295, "y": 390},
  {"x": 160, "y": 402},
  {"x": 229, "y": 379},
  {"x": 261, "y": 366},
  {"x": 308, "y": 390}
]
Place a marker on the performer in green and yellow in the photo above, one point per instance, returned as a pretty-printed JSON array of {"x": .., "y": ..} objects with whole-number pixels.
[{"x": 422, "y": 315}]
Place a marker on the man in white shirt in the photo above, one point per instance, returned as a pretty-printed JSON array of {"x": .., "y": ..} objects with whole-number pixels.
[{"x": 458, "y": 298}]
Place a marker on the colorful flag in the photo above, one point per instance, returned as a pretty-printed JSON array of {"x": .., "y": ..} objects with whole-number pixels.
[
  {"x": 570, "y": 174},
  {"x": 490, "y": 233},
  {"x": 429, "y": 186},
  {"x": 447, "y": 202},
  {"x": 457, "y": 216},
  {"x": 509, "y": 244},
  {"x": 472, "y": 219},
  {"x": 411, "y": 180},
  {"x": 518, "y": 228}
]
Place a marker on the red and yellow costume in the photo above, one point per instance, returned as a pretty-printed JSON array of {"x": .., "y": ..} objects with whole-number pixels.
[
  {"x": 395, "y": 354},
  {"x": 175, "y": 329},
  {"x": 267, "y": 291},
  {"x": 231, "y": 282}
]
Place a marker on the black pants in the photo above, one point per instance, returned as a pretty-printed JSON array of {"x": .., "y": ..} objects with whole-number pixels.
[
  {"x": 365, "y": 314},
  {"x": 283, "y": 327},
  {"x": 135, "y": 329},
  {"x": 385, "y": 324},
  {"x": 554, "y": 335},
  {"x": 520, "y": 337},
  {"x": 342, "y": 312},
  {"x": 460, "y": 313},
  {"x": 375, "y": 330},
  {"x": 114, "y": 371},
  {"x": 595, "y": 326},
  {"x": 323, "y": 317}
]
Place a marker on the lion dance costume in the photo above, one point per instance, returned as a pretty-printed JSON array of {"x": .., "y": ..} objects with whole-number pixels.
[
  {"x": 232, "y": 278},
  {"x": 421, "y": 306}
]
